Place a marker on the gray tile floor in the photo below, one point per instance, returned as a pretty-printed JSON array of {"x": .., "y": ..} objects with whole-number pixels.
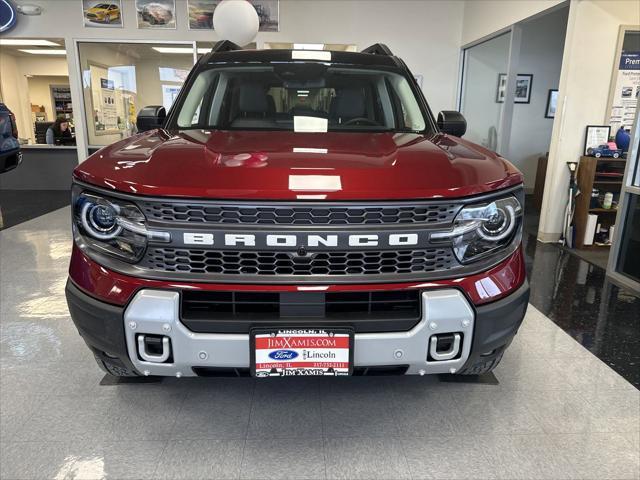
[{"x": 558, "y": 412}]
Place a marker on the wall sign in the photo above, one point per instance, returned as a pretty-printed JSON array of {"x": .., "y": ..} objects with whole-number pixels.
[{"x": 626, "y": 91}]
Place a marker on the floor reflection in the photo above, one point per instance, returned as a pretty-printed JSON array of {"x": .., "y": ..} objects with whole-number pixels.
[{"x": 577, "y": 296}]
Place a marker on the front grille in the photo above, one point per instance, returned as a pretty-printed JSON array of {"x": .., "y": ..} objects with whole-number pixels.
[
  {"x": 344, "y": 263},
  {"x": 216, "y": 213},
  {"x": 238, "y": 312}
]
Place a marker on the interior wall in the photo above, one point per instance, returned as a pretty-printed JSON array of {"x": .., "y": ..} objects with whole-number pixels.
[
  {"x": 589, "y": 57},
  {"x": 15, "y": 93},
  {"x": 485, "y": 17},
  {"x": 40, "y": 92},
  {"x": 541, "y": 51}
]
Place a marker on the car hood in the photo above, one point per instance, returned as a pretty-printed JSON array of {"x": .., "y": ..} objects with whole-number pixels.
[{"x": 278, "y": 165}]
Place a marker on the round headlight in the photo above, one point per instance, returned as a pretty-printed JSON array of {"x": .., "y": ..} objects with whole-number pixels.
[
  {"x": 100, "y": 220},
  {"x": 499, "y": 223}
]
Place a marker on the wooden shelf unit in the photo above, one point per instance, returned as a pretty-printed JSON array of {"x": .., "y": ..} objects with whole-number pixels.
[{"x": 588, "y": 169}]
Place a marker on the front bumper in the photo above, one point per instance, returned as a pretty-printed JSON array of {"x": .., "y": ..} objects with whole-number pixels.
[{"x": 112, "y": 331}]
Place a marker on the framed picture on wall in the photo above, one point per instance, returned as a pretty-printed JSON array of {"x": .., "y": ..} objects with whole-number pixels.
[
  {"x": 156, "y": 13},
  {"x": 524, "y": 81},
  {"x": 102, "y": 14},
  {"x": 552, "y": 104},
  {"x": 268, "y": 14},
  {"x": 201, "y": 14},
  {"x": 595, "y": 136}
]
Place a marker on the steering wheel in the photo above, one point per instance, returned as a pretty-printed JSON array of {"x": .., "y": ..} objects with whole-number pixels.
[{"x": 366, "y": 121}]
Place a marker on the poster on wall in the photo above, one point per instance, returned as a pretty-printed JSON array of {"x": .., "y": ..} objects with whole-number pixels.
[
  {"x": 201, "y": 14},
  {"x": 102, "y": 14},
  {"x": 626, "y": 92},
  {"x": 156, "y": 13},
  {"x": 108, "y": 104}
]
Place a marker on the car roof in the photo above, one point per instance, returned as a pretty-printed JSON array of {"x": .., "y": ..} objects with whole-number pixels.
[{"x": 269, "y": 56}]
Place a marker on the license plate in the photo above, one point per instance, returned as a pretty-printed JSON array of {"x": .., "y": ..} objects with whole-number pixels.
[{"x": 282, "y": 352}]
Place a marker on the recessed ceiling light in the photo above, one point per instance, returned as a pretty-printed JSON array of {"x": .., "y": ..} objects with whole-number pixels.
[
  {"x": 28, "y": 43},
  {"x": 308, "y": 46},
  {"x": 50, "y": 51}
]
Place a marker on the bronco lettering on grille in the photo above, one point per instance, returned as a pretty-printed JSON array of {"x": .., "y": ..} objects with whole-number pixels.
[{"x": 303, "y": 240}]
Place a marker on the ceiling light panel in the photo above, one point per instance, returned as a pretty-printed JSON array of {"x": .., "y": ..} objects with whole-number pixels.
[{"x": 38, "y": 51}]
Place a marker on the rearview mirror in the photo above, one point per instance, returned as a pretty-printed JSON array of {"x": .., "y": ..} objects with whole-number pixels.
[
  {"x": 151, "y": 117},
  {"x": 452, "y": 123}
]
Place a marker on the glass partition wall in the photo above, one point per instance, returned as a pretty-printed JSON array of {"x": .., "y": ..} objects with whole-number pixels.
[
  {"x": 484, "y": 90},
  {"x": 34, "y": 84},
  {"x": 119, "y": 79},
  {"x": 624, "y": 260}
]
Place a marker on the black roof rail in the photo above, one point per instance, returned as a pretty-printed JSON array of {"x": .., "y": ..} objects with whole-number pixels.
[
  {"x": 378, "y": 49},
  {"x": 225, "y": 46}
]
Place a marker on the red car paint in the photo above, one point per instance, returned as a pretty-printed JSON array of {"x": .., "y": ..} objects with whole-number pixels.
[
  {"x": 260, "y": 165},
  {"x": 118, "y": 289},
  {"x": 278, "y": 165}
]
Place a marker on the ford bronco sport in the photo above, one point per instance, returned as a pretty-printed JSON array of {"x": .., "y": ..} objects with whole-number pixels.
[{"x": 297, "y": 213}]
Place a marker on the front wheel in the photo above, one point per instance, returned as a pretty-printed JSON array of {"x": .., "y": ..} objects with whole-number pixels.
[
  {"x": 483, "y": 365},
  {"x": 598, "y": 155}
]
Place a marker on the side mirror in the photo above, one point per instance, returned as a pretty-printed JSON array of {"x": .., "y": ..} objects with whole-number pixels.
[
  {"x": 151, "y": 117},
  {"x": 452, "y": 122}
]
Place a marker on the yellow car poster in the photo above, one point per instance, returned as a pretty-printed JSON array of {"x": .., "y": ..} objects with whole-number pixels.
[{"x": 98, "y": 13}]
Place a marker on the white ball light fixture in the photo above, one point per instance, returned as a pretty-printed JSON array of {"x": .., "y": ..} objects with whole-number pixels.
[{"x": 237, "y": 21}]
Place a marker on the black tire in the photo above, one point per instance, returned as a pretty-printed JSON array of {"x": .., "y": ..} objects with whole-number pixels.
[
  {"x": 114, "y": 369},
  {"x": 483, "y": 365}
]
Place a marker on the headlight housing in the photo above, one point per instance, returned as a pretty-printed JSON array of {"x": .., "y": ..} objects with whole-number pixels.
[
  {"x": 484, "y": 229},
  {"x": 110, "y": 226}
]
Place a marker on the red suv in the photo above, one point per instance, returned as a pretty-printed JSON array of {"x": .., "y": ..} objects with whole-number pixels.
[{"x": 297, "y": 213}]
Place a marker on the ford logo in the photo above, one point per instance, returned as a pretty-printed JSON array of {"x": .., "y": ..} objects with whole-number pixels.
[{"x": 283, "y": 355}]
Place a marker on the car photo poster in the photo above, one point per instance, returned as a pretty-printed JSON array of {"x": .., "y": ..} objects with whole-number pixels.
[
  {"x": 101, "y": 14},
  {"x": 156, "y": 13},
  {"x": 626, "y": 93},
  {"x": 201, "y": 14}
]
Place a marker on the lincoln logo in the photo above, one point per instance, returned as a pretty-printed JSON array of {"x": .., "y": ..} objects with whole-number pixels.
[{"x": 300, "y": 241}]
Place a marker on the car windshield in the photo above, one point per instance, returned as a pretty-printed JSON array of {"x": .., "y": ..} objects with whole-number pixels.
[{"x": 303, "y": 97}]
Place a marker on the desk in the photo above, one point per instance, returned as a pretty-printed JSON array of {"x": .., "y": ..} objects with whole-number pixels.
[{"x": 43, "y": 167}]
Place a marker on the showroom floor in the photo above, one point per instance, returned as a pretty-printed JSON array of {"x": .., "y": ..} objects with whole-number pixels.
[{"x": 556, "y": 410}]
